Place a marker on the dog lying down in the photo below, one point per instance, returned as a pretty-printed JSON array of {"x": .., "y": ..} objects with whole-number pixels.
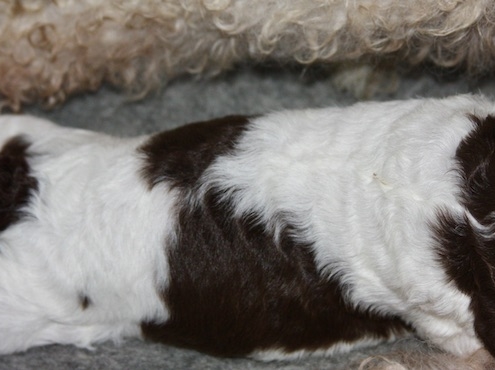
[{"x": 299, "y": 232}]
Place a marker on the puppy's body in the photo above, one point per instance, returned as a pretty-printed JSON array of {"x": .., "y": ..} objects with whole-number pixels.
[{"x": 300, "y": 231}]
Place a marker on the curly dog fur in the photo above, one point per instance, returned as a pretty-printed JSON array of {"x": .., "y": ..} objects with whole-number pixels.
[
  {"x": 427, "y": 359},
  {"x": 53, "y": 48}
]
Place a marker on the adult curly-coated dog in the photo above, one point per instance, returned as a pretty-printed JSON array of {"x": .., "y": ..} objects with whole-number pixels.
[
  {"x": 299, "y": 232},
  {"x": 52, "y": 48}
]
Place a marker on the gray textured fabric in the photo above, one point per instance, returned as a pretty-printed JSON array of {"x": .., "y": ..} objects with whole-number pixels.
[{"x": 245, "y": 91}]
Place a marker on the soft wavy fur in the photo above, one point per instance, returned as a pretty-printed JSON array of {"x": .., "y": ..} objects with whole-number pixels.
[
  {"x": 310, "y": 232},
  {"x": 50, "y": 49},
  {"x": 427, "y": 359}
]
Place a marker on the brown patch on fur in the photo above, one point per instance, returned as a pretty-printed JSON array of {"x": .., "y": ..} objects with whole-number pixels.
[
  {"x": 84, "y": 301},
  {"x": 233, "y": 289},
  {"x": 181, "y": 155},
  {"x": 16, "y": 185},
  {"x": 468, "y": 254},
  {"x": 476, "y": 154}
]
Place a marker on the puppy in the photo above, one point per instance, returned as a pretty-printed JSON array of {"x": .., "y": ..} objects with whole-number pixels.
[{"x": 311, "y": 231}]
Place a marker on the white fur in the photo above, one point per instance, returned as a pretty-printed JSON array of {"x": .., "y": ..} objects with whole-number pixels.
[
  {"x": 343, "y": 347},
  {"x": 87, "y": 234},
  {"x": 53, "y": 49},
  {"x": 363, "y": 184}
]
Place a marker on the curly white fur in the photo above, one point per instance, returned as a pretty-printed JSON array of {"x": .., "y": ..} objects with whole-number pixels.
[
  {"x": 49, "y": 49},
  {"x": 427, "y": 359}
]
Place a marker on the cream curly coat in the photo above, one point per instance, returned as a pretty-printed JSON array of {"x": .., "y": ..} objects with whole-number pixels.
[{"x": 52, "y": 48}]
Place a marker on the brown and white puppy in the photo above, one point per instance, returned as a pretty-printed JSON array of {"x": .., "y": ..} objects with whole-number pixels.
[{"x": 311, "y": 231}]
